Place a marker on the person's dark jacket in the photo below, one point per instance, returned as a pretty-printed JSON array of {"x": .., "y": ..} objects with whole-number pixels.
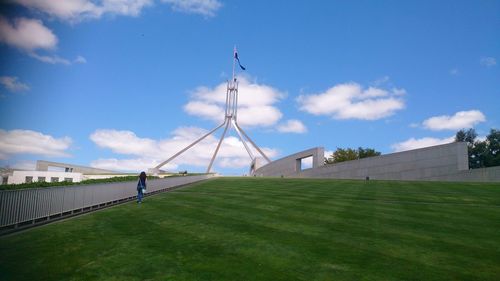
[{"x": 141, "y": 183}]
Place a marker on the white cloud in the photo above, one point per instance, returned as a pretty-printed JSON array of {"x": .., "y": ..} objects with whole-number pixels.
[
  {"x": 31, "y": 142},
  {"x": 460, "y": 120},
  {"x": 265, "y": 115},
  {"x": 50, "y": 59},
  {"x": 205, "y": 109},
  {"x": 350, "y": 101},
  {"x": 77, "y": 10},
  {"x": 134, "y": 164},
  {"x": 255, "y": 103},
  {"x": 69, "y": 9},
  {"x": 235, "y": 162},
  {"x": 30, "y": 35},
  {"x": 149, "y": 153},
  {"x": 292, "y": 126},
  {"x": 124, "y": 7},
  {"x": 124, "y": 142},
  {"x": 306, "y": 163},
  {"x": 488, "y": 61},
  {"x": 80, "y": 59},
  {"x": 26, "y": 34},
  {"x": 328, "y": 153},
  {"x": 203, "y": 7},
  {"x": 413, "y": 143},
  {"x": 481, "y": 138},
  {"x": 381, "y": 81},
  {"x": 12, "y": 84},
  {"x": 54, "y": 59},
  {"x": 24, "y": 165}
]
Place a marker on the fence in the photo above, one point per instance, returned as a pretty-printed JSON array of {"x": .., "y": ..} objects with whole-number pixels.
[{"x": 26, "y": 207}]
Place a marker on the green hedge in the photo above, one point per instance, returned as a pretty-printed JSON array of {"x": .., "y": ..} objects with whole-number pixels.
[
  {"x": 65, "y": 183},
  {"x": 92, "y": 181}
]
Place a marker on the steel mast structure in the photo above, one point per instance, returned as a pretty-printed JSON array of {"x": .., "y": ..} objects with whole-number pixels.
[{"x": 230, "y": 120}]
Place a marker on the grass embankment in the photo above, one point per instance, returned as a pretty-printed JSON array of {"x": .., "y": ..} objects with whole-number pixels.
[{"x": 274, "y": 229}]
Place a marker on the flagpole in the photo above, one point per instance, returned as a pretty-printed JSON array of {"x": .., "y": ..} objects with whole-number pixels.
[
  {"x": 234, "y": 62},
  {"x": 230, "y": 121}
]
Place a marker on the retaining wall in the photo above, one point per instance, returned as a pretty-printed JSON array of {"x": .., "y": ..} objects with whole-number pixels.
[
  {"x": 490, "y": 174},
  {"x": 291, "y": 165},
  {"x": 418, "y": 164},
  {"x": 447, "y": 162}
]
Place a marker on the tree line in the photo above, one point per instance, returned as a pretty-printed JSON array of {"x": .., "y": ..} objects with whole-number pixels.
[
  {"x": 347, "y": 154},
  {"x": 481, "y": 153}
]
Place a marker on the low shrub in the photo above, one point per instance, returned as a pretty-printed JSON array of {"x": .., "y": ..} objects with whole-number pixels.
[{"x": 66, "y": 183}]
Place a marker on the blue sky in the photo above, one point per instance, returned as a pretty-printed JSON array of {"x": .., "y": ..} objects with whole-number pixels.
[{"x": 125, "y": 84}]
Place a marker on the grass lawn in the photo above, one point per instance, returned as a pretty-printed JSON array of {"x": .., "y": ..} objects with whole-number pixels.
[{"x": 274, "y": 229}]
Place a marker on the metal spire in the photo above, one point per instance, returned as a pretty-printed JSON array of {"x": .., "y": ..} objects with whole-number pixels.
[{"x": 229, "y": 119}]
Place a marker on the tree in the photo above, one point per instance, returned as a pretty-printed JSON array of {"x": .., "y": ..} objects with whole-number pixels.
[
  {"x": 347, "y": 154},
  {"x": 367, "y": 152},
  {"x": 481, "y": 153},
  {"x": 341, "y": 155},
  {"x": 493, "y": 156},
  {"x": 478, "y": 154},
  {"x": 469, "y": 137}
]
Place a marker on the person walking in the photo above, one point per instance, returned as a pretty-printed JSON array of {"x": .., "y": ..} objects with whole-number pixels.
[{"x": 141, "y": 187}]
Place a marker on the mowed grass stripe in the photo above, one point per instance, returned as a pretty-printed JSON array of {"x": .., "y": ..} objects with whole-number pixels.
[
  {"x": 392, "y": 191},
  {"x": 274, "y": 229},
  {"x": 412, "y": 222},
  {"x": 424, "y": 215}
]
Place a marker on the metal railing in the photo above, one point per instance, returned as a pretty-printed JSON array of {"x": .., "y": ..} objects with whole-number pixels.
[{"x": 25, "y": 207}]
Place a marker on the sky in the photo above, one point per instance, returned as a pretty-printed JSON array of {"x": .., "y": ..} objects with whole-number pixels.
[{"x": 125, "y": 84}]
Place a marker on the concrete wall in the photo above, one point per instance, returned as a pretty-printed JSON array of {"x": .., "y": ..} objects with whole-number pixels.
[
  {"x": 418, "y": 164},
  {"x": 290, "y": 165},
  {"x": 491, "y": 174},
  {"x": 447, "y": 162}
]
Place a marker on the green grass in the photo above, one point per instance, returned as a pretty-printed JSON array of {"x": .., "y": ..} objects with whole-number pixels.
[{"x": 274, "y": 229}]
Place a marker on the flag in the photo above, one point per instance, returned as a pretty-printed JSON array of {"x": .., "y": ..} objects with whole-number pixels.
[{"x": 238, "y": 59}]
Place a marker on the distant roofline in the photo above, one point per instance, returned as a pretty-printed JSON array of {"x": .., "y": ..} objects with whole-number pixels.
[{"x": 42, "y": 165}]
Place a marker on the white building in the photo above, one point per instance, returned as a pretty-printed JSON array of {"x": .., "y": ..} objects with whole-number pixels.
[
  {"x": 59, "y": 172},
  {"x": 46, "y": 176},
  {"x": 55, "y": 172}
]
